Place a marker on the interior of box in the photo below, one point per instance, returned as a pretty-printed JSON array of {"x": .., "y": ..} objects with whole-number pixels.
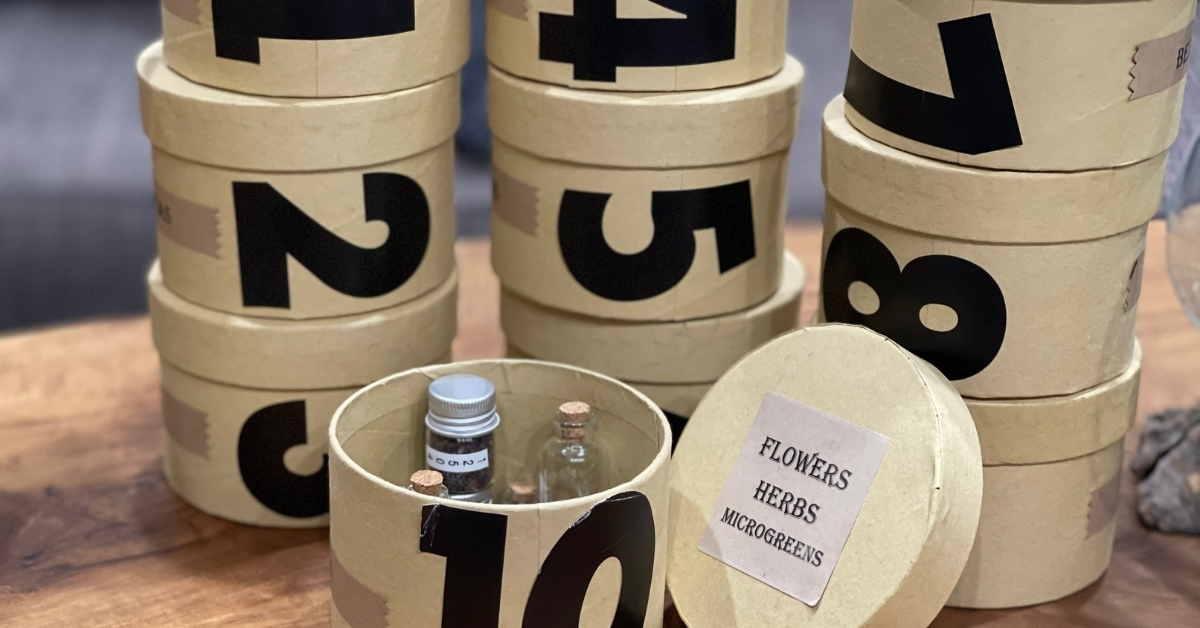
[{"x": 383, "y": 429}]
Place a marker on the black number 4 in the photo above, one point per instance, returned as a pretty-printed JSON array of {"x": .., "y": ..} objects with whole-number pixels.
[{"x": 597, "y": 42}]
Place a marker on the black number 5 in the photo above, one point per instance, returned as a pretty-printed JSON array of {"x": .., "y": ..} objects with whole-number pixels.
[{"x": 857, "y": 256}]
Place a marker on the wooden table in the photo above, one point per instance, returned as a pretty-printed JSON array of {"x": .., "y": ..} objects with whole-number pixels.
[{"x": 92, "y": 536}]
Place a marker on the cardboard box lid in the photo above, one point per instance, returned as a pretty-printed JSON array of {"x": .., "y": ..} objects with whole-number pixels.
[
  {"x": 915, "y": 530},
  {"x": 236, "y": 130},
  {"x": 314, "y": 354},
  {"x": 651, "y": 129},
  {"x": 940, "y": 198},
  {"x": 1046, "y": 430}
]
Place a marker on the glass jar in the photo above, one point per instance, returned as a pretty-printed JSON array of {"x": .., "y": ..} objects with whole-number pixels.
[{"x": 460, "y": 436}]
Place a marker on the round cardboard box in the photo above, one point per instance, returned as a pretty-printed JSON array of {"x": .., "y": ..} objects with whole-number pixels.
[
  {"x": 943, "y": 199},
  {"x": 407, "y": 559},
  {"x": 648, "y": 47},
  {"x": 1046, "y": 531},
  {"x": 342, "y": 352},
  {"x": 334, "y": 240},
  {"x": 1020, "y": 85},
  {"x": 665, "y": 353},
  {"x": 914, "y": 531},
  {"x": 1035, "y": 431},
  {"x": 1001, "y": 321},
  {"x": 316, "y": 49},
  {"x": 655, "y": 207}
]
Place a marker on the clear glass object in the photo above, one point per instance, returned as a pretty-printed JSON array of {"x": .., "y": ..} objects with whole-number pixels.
[
  {"x": 572, "y": 463},
  {"x": 1183, "y": 237}
]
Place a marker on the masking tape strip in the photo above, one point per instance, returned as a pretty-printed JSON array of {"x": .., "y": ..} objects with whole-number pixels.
[
  {"x": 515, "y": 202},
  {"x": 184, "y": 9},
  {"x": 1160, "y": 63},
  {"x": 1102, "y": 508},
  {"x": 190, "y": 225},
  {"x": 187, "y": 426},
  {"x": 1133, "y": 290},
  {"x": 358, "y": 605},
  {"x": 513, "y": 8}
]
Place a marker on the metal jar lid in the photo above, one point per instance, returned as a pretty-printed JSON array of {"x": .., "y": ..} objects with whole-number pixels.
[{"x": 462, "y": 406}]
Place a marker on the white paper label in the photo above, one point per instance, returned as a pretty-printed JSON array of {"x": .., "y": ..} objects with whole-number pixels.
[
  {"x": 455, "y": 463},
  {"x": 791, "y": 500}
]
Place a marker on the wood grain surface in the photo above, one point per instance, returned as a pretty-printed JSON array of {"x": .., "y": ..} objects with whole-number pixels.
[{"x": 92, "y": 536}]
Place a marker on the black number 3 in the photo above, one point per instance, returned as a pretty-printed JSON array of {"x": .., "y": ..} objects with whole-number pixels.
[{"x": 857, "y": 256}]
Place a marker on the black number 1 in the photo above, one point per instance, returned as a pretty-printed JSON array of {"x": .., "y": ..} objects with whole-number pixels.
[
  {"x": 239, "y": 24},
  {"x": 597, "y": 42}
]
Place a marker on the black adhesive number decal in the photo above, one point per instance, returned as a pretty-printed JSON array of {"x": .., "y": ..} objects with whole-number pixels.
[
  {"x": 620, "y": 527},
  {"x": 265, "y": 438},
  {"x": 677, "y": 215},
  {"x": 473, "y": 545},
  {"x": 597, "y": 42},
  {"x": 857, "y": 256},
  {"x": 980, "y": 118},
  {"x": 239, "y": 24},
  {"x": 270, "y": 228}
]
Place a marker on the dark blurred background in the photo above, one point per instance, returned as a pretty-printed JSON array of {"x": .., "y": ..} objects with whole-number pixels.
[{"x": 76, "y": 193}]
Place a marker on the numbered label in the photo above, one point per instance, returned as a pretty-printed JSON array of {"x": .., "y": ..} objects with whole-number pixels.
[
  {"x": 980, "y": 118},
  {"x": 270, "y": 228},
  {"x": 239, "y": 24},
  {"x": 976, "y": 299},
  {"x": 677, "y": 215},
  {"x": 597, "y": 42},
  {"x": 620, "y": 527},
  {"x": 266, "y": 436}
]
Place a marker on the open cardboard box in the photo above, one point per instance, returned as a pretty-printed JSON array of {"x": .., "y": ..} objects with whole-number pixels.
[
  {"x": 247, "y": 401},
  {"x": 417, "y": 561},
  {"x": 316, "y": 49},
  {"x": 300, "y": 208},
  {"x": 605, "y": 202},
  {"x": 643, "y": 47}
]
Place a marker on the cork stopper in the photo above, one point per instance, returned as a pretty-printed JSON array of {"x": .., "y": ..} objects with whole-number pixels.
[
  {"x": 573, "y": 418},
  {"x": 427, "y": 482},
  {"x": 522, "y": 492}
]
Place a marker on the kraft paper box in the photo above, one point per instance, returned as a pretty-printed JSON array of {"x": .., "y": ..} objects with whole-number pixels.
[
  {"x": 1035, "y": 431},
  {"x": 1046, "y": 531},
  {"x": 342, "y": 352},
  {"x": 1019, "y": 84},
  {"x": 319, "y": 49},
  {"x": 638, "y": 46},
  {"x": 1001, "y": 317},
  {"x": 943, "y": 199},
  {"x": 403, "y": 559},
  {"x": 638, "y": 233},
  {"x": 333, "y": 240},
  {"x": 914, "y": 531},
  {"x": 684, "y": 352}
]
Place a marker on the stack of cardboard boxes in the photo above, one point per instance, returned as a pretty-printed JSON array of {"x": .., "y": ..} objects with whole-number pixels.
[
  {"x": 990, "y": 172},
  {"x": 640, "y": 169},
  {"x": 303, "y": 163}
]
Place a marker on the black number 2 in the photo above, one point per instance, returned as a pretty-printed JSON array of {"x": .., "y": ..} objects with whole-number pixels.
[
  {"x": 239, "y": 24},
  {"x": 597, "y": 42},
  {"x": 677, "y": 214},
  {"x": 857, "y": 256},
  {"x": 265, "y": 437},
  {"x": 270, "y": 228},
  {"x": 473, "y": 544}
]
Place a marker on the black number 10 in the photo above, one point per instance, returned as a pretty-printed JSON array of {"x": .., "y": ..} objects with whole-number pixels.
[{"x": 472, "y": 542}]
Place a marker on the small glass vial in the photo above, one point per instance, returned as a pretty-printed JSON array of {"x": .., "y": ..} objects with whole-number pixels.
[
  {"x": 572, "y": 464},
  {"x": 521, "y": 490},
  {"x": 428, "y": 483},
  {"x": 459, "y": 439}
]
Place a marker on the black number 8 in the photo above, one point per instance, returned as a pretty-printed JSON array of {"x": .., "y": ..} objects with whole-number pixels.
[{"x": 857, "y": 256}]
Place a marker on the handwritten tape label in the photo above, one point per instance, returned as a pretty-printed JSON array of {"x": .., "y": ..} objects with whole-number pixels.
[
  {"x": 515, "y": 202},
  {"x": 513, "y": 8},
  {"x": 1160, "y": 63},
  {"x": 1102, "y": 508},
  {"x": 186, "y": 425},
  {"x": 183, "y": 9},
  {"x": 359, "y": 606},
  {"x": 188, "y": 224}
]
